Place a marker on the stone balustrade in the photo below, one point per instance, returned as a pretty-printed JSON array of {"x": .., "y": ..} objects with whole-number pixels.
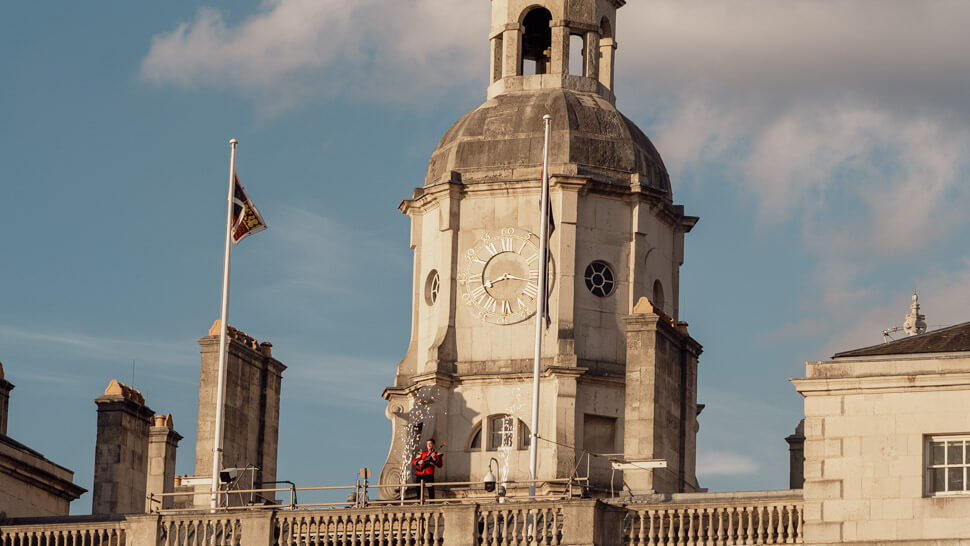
[
  {"x": 708, "y": 520},
  {"x": 81, "y": 533},
  {"x": 757, "y": 522}
]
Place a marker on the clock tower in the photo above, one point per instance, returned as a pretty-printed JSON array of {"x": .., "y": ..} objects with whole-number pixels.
[{"x": 618, "y": 369}]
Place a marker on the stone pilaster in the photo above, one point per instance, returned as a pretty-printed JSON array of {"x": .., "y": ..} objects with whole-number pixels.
[
  {"x": 559, "y": 59},
  {"x": 660, "y": 416},
  {"x": 163, "y": 442},
  {"x": 5, "y": 388},
  {"x": 121, "y": 453},
  {"x": 606, "y": 63}
]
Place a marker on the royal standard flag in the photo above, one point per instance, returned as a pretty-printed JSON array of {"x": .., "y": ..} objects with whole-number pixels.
[{"x": 246, "y": 220}]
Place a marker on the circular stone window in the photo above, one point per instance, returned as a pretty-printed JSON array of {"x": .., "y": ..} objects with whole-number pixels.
[
  {"x": 599, "y": 279},
  {"x": 431, "y": 287}
]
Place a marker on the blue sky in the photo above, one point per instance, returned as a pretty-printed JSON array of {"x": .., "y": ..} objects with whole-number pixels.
[{"x": 824, "y": 146}]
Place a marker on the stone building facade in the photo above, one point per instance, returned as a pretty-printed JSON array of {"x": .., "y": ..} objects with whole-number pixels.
[
  {"x": 887, "y": 440},
  {"x": 30, "y": 485},
  {"x": 467, "y": 374}
]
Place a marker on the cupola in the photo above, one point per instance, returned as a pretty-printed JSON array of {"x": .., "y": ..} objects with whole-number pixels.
[{"x": 553, "y": 44}]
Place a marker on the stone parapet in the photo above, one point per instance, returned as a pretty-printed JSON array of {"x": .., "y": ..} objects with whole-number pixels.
[{"x": 775, "y": 519}]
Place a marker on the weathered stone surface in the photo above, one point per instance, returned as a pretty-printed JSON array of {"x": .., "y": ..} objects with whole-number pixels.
[
  {"x": 31, "y": 485},
  {"x": 868, "y": 417},
  {"x": 121, "y": 451},
  {"x": 611, "y": 204},
  {"x": 587, "y": 131},
  {"x": 162, "y": 446},
  {"x": 252, "y": 405}
]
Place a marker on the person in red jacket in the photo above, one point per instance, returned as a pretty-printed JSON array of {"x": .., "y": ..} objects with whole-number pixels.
[{"x": 424, "y": 466}]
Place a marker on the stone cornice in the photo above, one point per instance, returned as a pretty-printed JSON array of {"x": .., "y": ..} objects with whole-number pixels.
[
  {"x": 428, "y": 198},
  {"x": 892, "y": 383},
  {"x": 243, "y": 351},
  {"x": 33, "y": 475},
  {"x": 451, "y": 380}
]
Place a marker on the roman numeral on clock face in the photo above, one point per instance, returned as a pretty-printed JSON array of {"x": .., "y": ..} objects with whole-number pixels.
[
  {"x": 479, "y": 293},
  {"x": 506, "y": 245},
  {"x": 531, "y": 290},
  {"x": 506, "y": 308},
  {"x": 490, "y": 247}
]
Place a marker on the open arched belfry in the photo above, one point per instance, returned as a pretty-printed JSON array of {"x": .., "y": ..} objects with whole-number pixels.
[{"x": 618, "y": 370}]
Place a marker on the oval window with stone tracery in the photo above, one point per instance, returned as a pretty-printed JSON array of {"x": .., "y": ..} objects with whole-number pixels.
[
  {"x": 599, "y": 279},
  {"x": 431, "y": 287}
]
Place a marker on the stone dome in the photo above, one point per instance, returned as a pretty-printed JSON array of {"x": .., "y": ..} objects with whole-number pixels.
[{"x": 503, "y": 140}]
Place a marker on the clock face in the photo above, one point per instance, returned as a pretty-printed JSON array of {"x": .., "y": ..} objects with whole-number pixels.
[{"x": 499, "y": 276}]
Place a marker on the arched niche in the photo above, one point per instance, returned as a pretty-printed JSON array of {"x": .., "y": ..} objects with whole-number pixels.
[{"x": 536, "y": 41}]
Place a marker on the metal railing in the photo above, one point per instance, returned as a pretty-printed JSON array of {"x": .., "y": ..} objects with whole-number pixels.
[
  {"x": 476, "y": 520},
  {"x": 360, "y": 495}
]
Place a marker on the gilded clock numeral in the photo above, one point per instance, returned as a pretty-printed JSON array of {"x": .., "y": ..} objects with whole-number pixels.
[
  {"x": 500, "y": 279},
  {"x": 531, "y": 290}
]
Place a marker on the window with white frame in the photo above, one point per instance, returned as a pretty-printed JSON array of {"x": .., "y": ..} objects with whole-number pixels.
[
  {"x": 947, "y": 461},
  {"x": 497, "y": 432},
  {"x": 501, "y": 432}
]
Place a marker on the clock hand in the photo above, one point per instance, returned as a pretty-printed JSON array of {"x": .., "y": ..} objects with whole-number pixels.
[
  {"x": 502, "y": 277},
  {"x": 514, "y": 278}
]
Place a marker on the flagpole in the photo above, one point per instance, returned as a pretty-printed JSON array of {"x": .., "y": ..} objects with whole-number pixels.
[
  {"x": 540, "y": 310},
  {"x": 223, "y": 325}
]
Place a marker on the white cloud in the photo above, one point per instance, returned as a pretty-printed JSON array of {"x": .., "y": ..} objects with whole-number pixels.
[
  {"x": 291, "y": 49},
  {"x": 847, "y": 121},
  {"x": 723, "y": 463}
]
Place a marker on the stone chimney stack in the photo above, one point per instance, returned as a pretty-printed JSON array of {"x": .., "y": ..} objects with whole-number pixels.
[
  {"x": 660, "y": 417},
  {"x": 5, "y": 388},
  {"x": 163, "y": 442},
  {"x": 252, "y": 404},
  {"x": 121, "y": 452}
]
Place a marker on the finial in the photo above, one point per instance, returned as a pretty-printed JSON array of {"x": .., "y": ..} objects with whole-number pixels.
[{"x": 915, "y": 323}]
